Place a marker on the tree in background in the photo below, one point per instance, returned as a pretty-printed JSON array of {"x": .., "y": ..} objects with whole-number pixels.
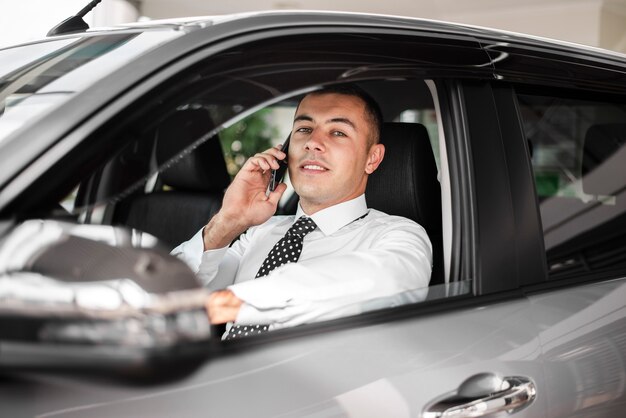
[{"x": 246, "y": 138}]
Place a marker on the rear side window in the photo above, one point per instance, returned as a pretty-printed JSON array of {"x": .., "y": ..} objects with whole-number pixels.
[{"x": 578, "y": 150}]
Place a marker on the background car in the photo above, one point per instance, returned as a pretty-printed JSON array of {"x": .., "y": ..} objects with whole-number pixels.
[{"x": 117, "y": 144}]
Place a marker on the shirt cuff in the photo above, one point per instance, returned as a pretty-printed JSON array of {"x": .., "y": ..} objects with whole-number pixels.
[
  {"x": 191, "y": 251},
  {"x": 249, "y": 315},
  {"x": 209, "y": 265},
  {"x": 255, "y": 292}
]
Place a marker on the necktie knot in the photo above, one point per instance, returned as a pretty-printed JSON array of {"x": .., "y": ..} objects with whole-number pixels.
[{"x": 302, "y": 227}]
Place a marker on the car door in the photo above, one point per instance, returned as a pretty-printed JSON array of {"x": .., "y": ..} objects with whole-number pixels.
[
  {"x": 572, "y": 122},
  {"x": 473, "y": 343},
  {"x": 580, "y": 185}
]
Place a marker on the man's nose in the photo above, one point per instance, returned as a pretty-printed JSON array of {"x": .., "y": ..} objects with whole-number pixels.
[{"x": 315, "y": 142}]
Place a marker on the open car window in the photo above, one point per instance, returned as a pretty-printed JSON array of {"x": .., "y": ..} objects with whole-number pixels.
[
  {"x": 125, "y": 190},
  {"x": 189, "y": 138}
]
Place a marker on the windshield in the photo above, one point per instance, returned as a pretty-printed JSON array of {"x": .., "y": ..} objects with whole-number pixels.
[
  {"x": 12, "y": 59},
  {"x": 35, "y": 78}
]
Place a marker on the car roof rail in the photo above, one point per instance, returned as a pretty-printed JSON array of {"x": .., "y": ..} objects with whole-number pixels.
[{"x": 74, "y": 23}]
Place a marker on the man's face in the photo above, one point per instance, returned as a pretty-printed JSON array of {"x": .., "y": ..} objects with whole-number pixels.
[{"x": 329, "y": 155}]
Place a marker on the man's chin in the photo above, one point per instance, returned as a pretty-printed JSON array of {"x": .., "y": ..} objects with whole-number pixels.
[{"x": 313, "y": 195}]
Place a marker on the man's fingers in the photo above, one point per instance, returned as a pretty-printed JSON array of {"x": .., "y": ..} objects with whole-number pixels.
[
  {"x": 276, "y": 152},
  {"x": 222, "y": 306},
  {"x": 275, "y": 196},
  {"x": 265, "y": 161},
  {"x": 272, "y": 155}
]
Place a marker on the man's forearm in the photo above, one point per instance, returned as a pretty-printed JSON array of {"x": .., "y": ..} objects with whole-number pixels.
[
  {"x": 340, "y": 284},
  {"x": 221, "y": 231}
]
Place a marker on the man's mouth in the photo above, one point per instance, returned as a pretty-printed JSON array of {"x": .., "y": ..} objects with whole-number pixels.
[{"x": 314, "y": 167}]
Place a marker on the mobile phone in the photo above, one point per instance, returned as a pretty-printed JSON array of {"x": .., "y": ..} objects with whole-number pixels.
[{"x": 276, "y": 176}]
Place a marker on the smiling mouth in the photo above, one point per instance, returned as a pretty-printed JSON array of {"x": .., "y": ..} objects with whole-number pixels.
[{"x": 314, "y": 167}]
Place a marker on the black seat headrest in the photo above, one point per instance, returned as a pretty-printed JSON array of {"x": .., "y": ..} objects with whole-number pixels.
[
  {"x": 405, "y": 183},
  {"x": 601, "y": 141},
  {"x": 202, "y": 169}
]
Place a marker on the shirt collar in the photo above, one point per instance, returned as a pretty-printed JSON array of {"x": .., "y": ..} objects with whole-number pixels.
[{"x": 333, "y": 218}]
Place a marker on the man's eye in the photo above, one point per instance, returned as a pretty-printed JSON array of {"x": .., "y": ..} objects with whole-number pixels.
[
  {"x": 304, "y": 130},
  {"x": 338, "y": 133}
]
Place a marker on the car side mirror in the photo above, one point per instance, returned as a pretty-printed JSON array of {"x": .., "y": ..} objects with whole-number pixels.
[{"x": 96, "y": 296}]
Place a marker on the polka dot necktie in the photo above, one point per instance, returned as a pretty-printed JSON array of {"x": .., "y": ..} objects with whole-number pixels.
[{"x": 287, "y": 250}]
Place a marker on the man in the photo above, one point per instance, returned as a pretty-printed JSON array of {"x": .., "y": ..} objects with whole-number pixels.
[{"x": 349, "y": 259}]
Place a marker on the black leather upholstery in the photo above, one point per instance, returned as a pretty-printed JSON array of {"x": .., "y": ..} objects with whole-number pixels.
[
  {"x": 601, "y": 141},
  {"x": 203, "y": 169},
  {"x": 406, "y": 184},
  {"x": 194, "y": 185}
]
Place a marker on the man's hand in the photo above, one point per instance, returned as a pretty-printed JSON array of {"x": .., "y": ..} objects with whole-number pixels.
[
  {"x": 245, "y": 203},
  {"x": 222, "y": 306}
]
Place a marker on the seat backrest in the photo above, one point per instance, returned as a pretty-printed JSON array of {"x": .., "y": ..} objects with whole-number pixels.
[
  {"x": 601, "y": 142},
  {"x": 406, "y": 184},
  {"x": 195, "y": 183}
]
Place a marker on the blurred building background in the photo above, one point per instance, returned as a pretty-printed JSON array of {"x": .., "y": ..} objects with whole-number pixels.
[{"x": 600, "y": 23}]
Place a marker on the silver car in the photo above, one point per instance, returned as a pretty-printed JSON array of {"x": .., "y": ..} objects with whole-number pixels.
[{"x": 117, "y": 144}]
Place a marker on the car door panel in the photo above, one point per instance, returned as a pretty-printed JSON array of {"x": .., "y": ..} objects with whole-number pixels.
[
  {"x": 392, "y": 368},
  {"x": 583, "y": 339}
]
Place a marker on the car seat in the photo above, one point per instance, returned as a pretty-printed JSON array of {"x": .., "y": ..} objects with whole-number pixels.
[
  {"x": 601, "y": 142},
  {"x": 191, "y": 189},
  {"x": 406, "y": 184}
]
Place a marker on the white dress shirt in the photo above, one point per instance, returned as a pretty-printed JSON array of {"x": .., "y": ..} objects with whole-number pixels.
[{"x": 350, "y": 264}]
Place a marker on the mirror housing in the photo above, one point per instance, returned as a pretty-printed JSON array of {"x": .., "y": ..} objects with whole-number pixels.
[{"x": 96, "y": 296}]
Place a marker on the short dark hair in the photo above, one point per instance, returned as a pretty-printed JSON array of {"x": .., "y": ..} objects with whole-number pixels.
[{"x": 372, "y": 110}]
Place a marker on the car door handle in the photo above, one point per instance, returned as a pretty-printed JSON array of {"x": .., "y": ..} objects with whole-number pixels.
[{"x": 482, "y": 395}]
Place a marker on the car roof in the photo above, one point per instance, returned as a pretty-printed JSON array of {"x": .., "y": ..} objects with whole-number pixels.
[
  {"x": 296, "y": 17},
  {"x": 334, "y": 18}
]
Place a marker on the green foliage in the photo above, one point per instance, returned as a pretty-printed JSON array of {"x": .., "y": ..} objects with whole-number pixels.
[
  {"x": 246, "y": 138},
  {"x": 547, "y": 184}
]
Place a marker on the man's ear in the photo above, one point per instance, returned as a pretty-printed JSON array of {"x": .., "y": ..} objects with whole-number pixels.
[{"x": 374, "y": 158}]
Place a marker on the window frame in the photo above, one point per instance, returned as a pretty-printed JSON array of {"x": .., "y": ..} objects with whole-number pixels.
[{"x": 591, "y": 96}]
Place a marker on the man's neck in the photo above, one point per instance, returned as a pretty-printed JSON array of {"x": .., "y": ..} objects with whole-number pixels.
[
  {"x": 336, "y": 216},
  {"x": 310, "y": 208}
]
